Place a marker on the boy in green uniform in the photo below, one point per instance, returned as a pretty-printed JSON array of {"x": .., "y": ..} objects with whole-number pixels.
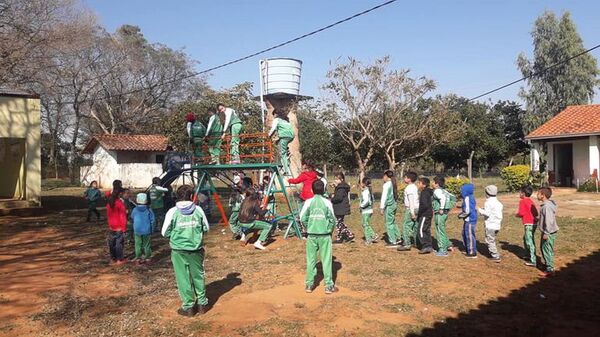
[
  {"x": 196, "y": 132},
  {"x": 411, "y": 204},
  {"x": 388, "y": 208},
  {"x": 185, "y": 225},
  {"x": 443, "y": 201},
  {"x": 285, "y": 132},
  {"x": 213, "y": 134},
  {"x": 232, "y": 123},
  {"x": 366, "y": 210},
  {"x": 156, "y": 193},
  {"x": 318, "y": 217},
  {"x": 549, "y": 228}
]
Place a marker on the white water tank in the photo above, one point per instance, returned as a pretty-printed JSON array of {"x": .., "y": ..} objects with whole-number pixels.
[{"x": 281, "y": 75}]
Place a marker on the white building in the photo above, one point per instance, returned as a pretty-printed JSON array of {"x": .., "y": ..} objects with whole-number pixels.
[
  {"x": 569, "y": 144},
  {"x": 134, "y": 159}
]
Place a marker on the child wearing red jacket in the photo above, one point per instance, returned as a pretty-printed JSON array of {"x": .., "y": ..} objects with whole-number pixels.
[
  {"x": 116, "y": 215},
  {"x": 528, "y": 214},
  {"x": 307, "y": 177}
]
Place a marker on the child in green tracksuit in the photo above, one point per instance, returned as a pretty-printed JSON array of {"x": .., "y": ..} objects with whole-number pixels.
[
  {"x": 213, "y": 135},
  {"x": 549, "y": 228},
  {"x": 411, "y": 205},
  {"x": 92, "y": 195},
  {"x": 156, "y": 193},
  {"x": 388, "y": 207},
  {"x": 318, "y": 217},
  {"x": 185, "y": 225},
  {"x": 231, "y": 123},
  {"x": 366, "y": 209},
  {"x": 285, "y": 132},
  {"x": 251, "y": 217},
  {"x": 443, "y": 201}
]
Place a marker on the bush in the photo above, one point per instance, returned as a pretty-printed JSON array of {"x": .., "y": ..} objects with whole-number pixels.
[
  {"x": 515, "y": 177},
  {"x": 453, "y": 184},
  {"x": 588, "y": 186}
]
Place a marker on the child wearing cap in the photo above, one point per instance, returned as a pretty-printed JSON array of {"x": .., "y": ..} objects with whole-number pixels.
[
  {"x": 143, "y": 218},
  {"x": 492, "y": 212}
]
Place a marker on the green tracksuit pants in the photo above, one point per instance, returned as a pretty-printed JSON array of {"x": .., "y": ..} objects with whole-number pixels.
[
  {"x": 391, "y": 228},
  {"x": 529, "y": 242},
  {"x": 234, "y": 149},
  {"x": 189, "y": 274},
  {"x": 142, "y": 245},
  {"x": 263, "y": 226},
  {"x": 548, "y": 251},
  {"x": 214, "y": 148},
  {"x": 159, "y": 218},
  {"x": 319, "y": 244},
  {"x": 367, "y": 228},
  {"x": 234, "y": 225},
  {"x": 284, "y": 154},
  {"x": 409, "y": 227},
  {"x": 440, "y": 232},
  {"x": 197, "y": 143}
]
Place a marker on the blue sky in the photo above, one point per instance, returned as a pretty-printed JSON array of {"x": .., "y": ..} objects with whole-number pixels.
[{"x": 467, "y": 47}]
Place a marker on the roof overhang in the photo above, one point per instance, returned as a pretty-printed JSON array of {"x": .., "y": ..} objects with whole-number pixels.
[{"x": 576, "y": 135}]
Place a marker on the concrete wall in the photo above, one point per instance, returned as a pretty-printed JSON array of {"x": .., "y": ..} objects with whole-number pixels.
[
  {"x": 20, "y": 123},
  {"x": 106, "y": 169}
]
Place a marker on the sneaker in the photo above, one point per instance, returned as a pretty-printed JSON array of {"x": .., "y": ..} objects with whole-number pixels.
[
  {"x": 441, "y": 254},
  {"x": 243, "y": 237},
  {"x": 426, "y": 250},
  {"x": 403, "y": 248},
  {"x": 120, "y": 262},
  {"x": 547, "y": 273},
  {"x": 308, "y": 288},
  {"x": 496, "y": 259},
  {"x": 201, "y": 309},
  {"x": 338, "y": 242},
  {"x": 190, "y": 312},
  {"x": 450, "y": 249},
  {"x": 368, "y": 242},
  {"x": 530, "y": 264},
  {"x": 471, "y": 256},
  {"x": 146, "y": 261},
  {"x": 331, "y": 289},
  {"x": 258, "y": 245}
]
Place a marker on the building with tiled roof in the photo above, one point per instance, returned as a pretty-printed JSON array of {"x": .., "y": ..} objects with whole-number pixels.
[
  {"x": 133, "y": 159},
  {"x": 570, "y": 143}
]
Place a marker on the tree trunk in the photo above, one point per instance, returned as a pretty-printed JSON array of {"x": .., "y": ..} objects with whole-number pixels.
[{"x": 73, "y": 148}]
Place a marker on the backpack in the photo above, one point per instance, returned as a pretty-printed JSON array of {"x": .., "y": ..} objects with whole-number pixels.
[{"x": 450, "y": 199}]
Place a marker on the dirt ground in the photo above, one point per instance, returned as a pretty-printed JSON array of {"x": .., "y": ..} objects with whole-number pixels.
[{"x": 56, "y": 281}]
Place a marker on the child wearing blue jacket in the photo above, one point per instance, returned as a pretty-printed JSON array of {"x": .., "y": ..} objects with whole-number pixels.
[
  {"x": 469, "y": 215},
  {"x": 143, "y": 219}
]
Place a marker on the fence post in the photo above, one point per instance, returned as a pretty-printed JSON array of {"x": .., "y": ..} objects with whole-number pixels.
[{"x": 470, "y": 166}]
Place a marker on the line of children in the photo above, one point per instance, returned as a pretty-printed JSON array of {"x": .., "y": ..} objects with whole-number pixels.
[
  {"x": 341, "y": 208},
  {"x": 92, "y": 195},
  {"x": 492, "y": 212}
]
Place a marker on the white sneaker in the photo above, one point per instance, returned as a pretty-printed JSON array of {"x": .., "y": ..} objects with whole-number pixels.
[
  {"x": 258, "y": 245},
  {"x": 243, "y": 237}
]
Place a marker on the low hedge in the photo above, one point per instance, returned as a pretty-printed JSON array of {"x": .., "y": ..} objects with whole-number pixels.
[{"x": 515, "y": 177}]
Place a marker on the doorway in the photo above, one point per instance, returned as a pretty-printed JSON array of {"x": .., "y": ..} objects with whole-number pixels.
[
  {"x": 12, "y": 166},
  {"x": 563, "y": 164}
]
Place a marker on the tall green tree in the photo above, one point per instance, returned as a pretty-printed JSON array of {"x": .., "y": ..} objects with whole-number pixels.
[{"x": 549, "y": 92}]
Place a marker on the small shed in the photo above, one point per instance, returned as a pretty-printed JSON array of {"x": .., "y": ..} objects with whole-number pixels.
[
  {"x": 20, "y": 163},
  {"x": 569, "y": 144},
  {"x": 134, "y": 159}
]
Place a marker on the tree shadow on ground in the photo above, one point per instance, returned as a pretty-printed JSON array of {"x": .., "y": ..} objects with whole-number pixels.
[
  {"x": 216, "y": 289},
  {"x": 562, "y": 305}
]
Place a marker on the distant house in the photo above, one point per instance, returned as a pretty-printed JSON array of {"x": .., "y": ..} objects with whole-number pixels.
[
  {"x": 134, "y": 159},
  {"x": 570, "y": 143},
  {"x": 20, "y": 164}
]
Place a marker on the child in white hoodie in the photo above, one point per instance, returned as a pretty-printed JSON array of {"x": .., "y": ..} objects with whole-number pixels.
[{"x": 492, "y": 212}]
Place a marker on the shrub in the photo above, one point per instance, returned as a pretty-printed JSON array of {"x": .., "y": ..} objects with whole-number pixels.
[
  {"x": 588, "y": 186},
  {"x": 515, "y": 176},
  {"x": 453, "y": 184}
]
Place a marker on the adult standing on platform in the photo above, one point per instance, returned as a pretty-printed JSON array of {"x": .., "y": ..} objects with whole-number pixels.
[{"x": 231, "y": 123}]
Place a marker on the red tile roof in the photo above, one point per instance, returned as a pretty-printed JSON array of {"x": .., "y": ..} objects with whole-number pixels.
[
  {"x": 575, "y": 120},
  {"x": 155, "y": 143}
]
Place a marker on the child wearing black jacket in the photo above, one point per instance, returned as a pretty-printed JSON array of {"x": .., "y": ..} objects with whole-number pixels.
[
  {"x": 424, "y": 216},
  {"x": 341, "y": 208}
]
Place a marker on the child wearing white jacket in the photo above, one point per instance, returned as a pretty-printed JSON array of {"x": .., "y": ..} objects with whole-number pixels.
[{"x": 492, "y": 212}]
